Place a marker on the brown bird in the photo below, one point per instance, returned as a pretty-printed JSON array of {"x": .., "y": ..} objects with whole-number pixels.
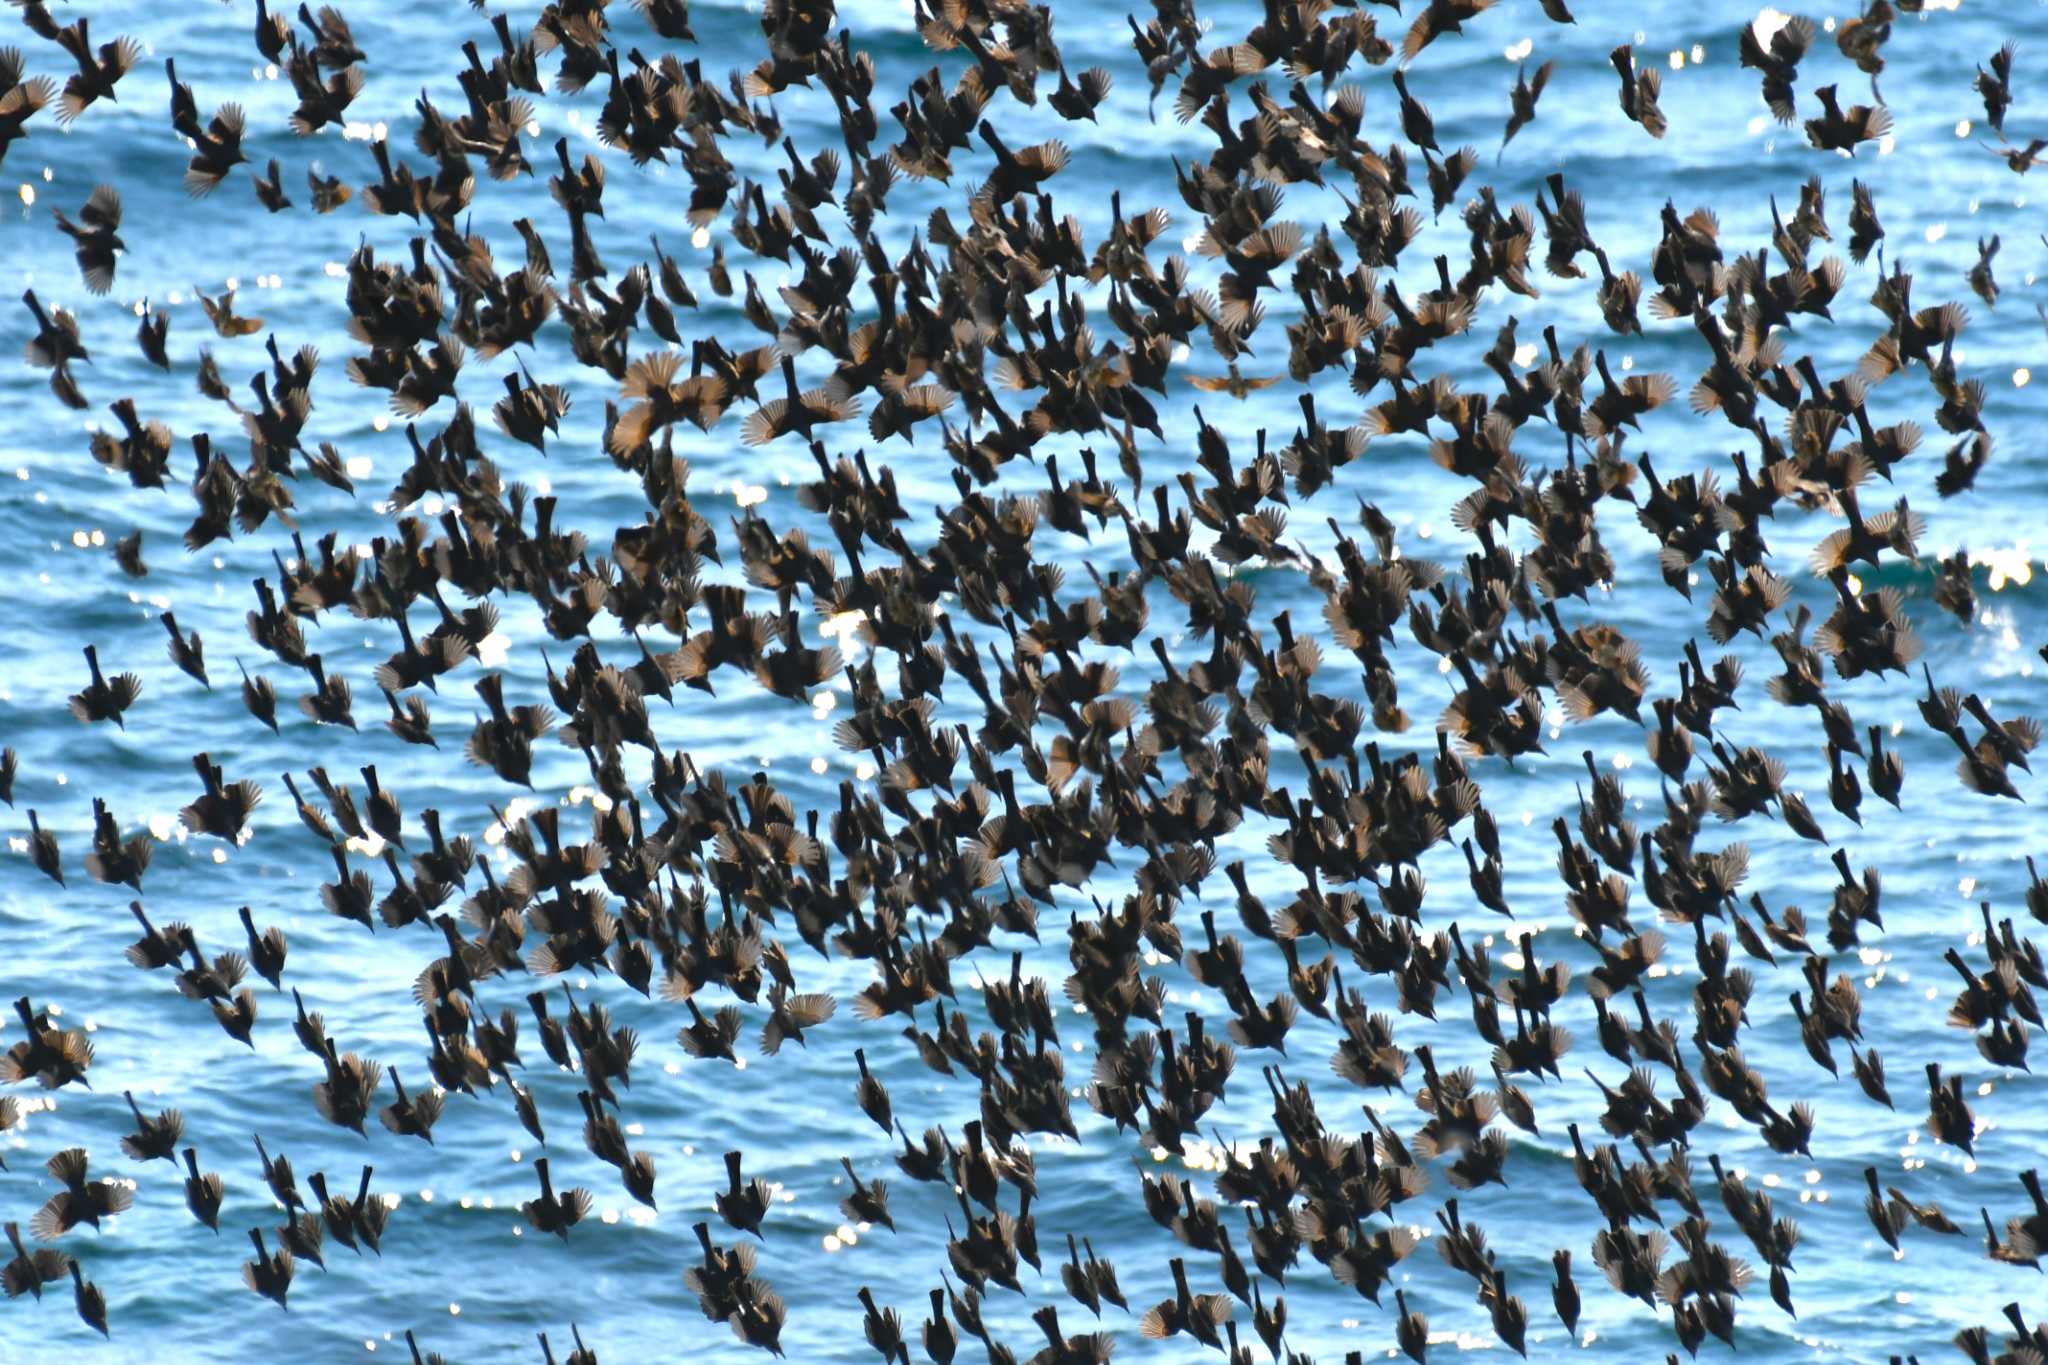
[
  {"x": 1640, "y": 87},
  {"x": 1441, "y": 17},
  {"x": 2020, "y": 160},
  {"x": 20, "y": 100},
  {"x": 221, "y": 313}
]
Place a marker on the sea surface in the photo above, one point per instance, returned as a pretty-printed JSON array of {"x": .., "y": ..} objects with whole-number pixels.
[{"x": 459, "y": 1267}]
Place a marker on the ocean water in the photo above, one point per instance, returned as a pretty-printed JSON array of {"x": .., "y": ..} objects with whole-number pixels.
[{"x": 459, "y": 1267}]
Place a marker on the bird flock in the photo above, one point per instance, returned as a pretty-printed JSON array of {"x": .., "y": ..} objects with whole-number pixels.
[{"x": 1049, "y": 767}]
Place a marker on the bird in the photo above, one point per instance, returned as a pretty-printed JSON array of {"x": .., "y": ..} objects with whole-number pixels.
[
  {"x": 1054, "y": 654},
  {"x": 865, "y": 1202},
  {"x": 104, "y": 698},
  {"x": 1840, "y": 130},
  {"x": 1778, "y": 59},
  {"x": 2019, "y": 160},
  {"x": 128, "y": 555},
  {"x": 28, "y": 1271},
  {"x": 81, "y": 1201},
  {"x": 20, "y": 99},
  {"x": 259, "y": 697},
  {"x": 1522, "y": 100},
  {"x": 99, "y": 69},
  {"x": 154, "y": 1139},
  {"x": 742, "y": 1206},
  {"x": 216, "y": 150},
  {"x": 89, "y": 1300},
  {"x": 582, "y": 1355},
  {"x": 1640, "y": 87},
  {"x": 204, "y": 1192},
  {"x": 186, "y": 650},
  {"x": 43, "y": 850},
  {"x": 1995, "y": 85},
  {"x": 54, "y": 1057},
  {"x": 1982, "y": 283},
  {"x": 1236, "y": 385},
  {"x": 97, "y": 236},
  {"x": 270, "y": 188},
  {"x": 870, "y": 1094},
  {"x": 269, "y": 1273},
  {"x": 328, "y": 192},
  {"x": 553, "y": 1213},
  {"x": 1439, "y": 18},
  {"x": 411, "y": 1115},
  {"x": 221, "y": 313}
]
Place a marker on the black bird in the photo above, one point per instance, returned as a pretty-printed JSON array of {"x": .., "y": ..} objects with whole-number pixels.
[
  {"x": 266, "y": 949},
  {"x": 42, "y": 850},
  {"x": 29, "y": 1271},
  {"x": 865, "y": 1202},
  {"x": 80, "y": 1201},
  {"x": 55, "y": 345},
  {"x": 1995, "y": 86},
  {"x": 270, "y": 1273},
  {"x": 270, "y": 188},
  {"x": 97, "y": 235},
  {"x": 187, "y": 651},
  {"x": 223, "y": 808},
  {"x": 870, "y": 1094},
  {"x": 553, "y": 1213},
  {"x": 1522, "y": 101},
  {"x": 104, "y": 698},
  {"x": 89, "y": 1300},
  {"x": 216, "y": 150},
  {"x": 204, "y": 1192},
  {"x": 1416, "y": 124},
  {"x": 1779, "y": 62},
  {"x": 99, "y": 70},
  {"x": 154, "y": 1139},
  {"x": 128, "y": 554},
  {"x": 259, "y": 697},
  {"x": 742, "y": 1205},
  {"x": 1840, "y": 130}
]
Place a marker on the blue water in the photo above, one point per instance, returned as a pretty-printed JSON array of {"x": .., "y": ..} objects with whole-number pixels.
[{"x": 459, "y": 1267}]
